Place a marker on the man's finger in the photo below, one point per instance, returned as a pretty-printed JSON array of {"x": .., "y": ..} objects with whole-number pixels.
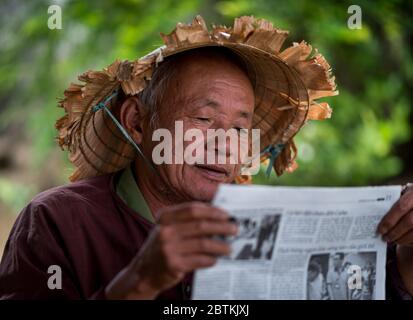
[
  {"x": 193, "y": 262},
  {"x": 406, "y": 239},
  {"x": 192, "y": 211},
  {"x": 407, "y": 187},
  {"x": 398, "y": 210},
  {"x": 404, "y": 225},
  {"x": 204, "y": 246},
  {"x": 204, "y": 228}
]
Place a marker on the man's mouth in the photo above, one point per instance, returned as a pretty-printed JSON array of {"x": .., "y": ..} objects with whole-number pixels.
[{"x": 213, "y": 172}]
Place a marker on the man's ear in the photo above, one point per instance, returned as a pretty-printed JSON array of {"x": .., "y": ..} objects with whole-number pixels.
[{"x": 132, "y": 114}]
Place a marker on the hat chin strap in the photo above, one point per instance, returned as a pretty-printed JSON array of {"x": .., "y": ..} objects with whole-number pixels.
[
  {"x": 274, "y": 151},
  {"x": 102, "y": 105}
]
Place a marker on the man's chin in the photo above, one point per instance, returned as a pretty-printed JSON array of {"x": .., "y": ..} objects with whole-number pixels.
[
  {"x": 203, "y": 184},
  {"x": 201, "y": 190}
]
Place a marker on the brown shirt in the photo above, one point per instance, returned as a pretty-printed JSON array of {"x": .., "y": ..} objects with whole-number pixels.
[
  {"x": 84, "y": 228},
  {"x": 87, "y": 230}
]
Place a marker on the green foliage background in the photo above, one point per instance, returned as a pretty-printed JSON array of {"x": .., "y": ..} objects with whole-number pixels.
[{"x": 373, "y": 67}]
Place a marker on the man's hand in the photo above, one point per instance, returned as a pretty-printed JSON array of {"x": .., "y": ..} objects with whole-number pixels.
[
  {"x": 397, "y": 226},
  {"x": 180, "y": 243}
]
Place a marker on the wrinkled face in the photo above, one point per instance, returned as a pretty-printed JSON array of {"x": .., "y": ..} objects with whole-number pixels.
[{"x": 212, "y": 93}]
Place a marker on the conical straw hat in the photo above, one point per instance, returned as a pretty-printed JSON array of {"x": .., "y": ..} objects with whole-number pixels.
[{"x": 286, "y": 82}]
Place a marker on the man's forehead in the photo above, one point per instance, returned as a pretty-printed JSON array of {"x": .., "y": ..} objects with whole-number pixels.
[
  {"x": 209, "y": 78},
  {"x": 202, "y": 61},
  {"x": 246, "y": 108},
  {"x": 207, "y": 84}
]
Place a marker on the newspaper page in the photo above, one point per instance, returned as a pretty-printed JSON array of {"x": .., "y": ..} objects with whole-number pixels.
[{"x": 301, "y": 243}]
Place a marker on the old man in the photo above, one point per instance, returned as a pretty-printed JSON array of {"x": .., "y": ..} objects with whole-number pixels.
[{"x": 126, "y": 228}]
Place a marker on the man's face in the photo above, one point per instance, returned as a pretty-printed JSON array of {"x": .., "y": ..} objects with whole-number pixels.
[
  {"x": 337, "y": 261},
  {"x": 211, "y": 93},
  {"x": 312, "y": 274}
]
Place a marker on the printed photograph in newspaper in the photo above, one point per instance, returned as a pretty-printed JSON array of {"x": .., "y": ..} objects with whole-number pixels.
[
  {"x": 256, "y": 238},
  {"x": 329, "y": 274}
]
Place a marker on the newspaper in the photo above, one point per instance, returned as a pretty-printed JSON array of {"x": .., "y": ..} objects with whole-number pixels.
[{"x": 301, "y": 243}]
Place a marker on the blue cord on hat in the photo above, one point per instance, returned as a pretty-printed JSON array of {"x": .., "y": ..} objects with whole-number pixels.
[
  {"x": 274, "y": 151},
  {"x": 102, "y": 105}
]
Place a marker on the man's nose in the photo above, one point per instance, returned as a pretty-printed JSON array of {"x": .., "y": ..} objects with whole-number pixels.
[{"x": 224, "y": 137}]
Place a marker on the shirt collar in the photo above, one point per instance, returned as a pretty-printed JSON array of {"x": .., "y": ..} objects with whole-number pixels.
[{"x": 127, "y": 189}]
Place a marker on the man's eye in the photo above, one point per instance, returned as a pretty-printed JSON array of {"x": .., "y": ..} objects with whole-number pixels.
[{"x": 203, "y": 119}]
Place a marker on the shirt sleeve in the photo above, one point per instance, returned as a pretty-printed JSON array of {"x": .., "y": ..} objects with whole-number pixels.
[
  {"x": 395, "y": 289},
  {"x": 32, "y": 247}
]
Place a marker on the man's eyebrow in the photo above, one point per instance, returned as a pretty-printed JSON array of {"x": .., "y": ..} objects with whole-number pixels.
[
  {"x": 209, "y": 102},
  {"x": 245, "y": 114},
  {"x": 214, "y": 104}
]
